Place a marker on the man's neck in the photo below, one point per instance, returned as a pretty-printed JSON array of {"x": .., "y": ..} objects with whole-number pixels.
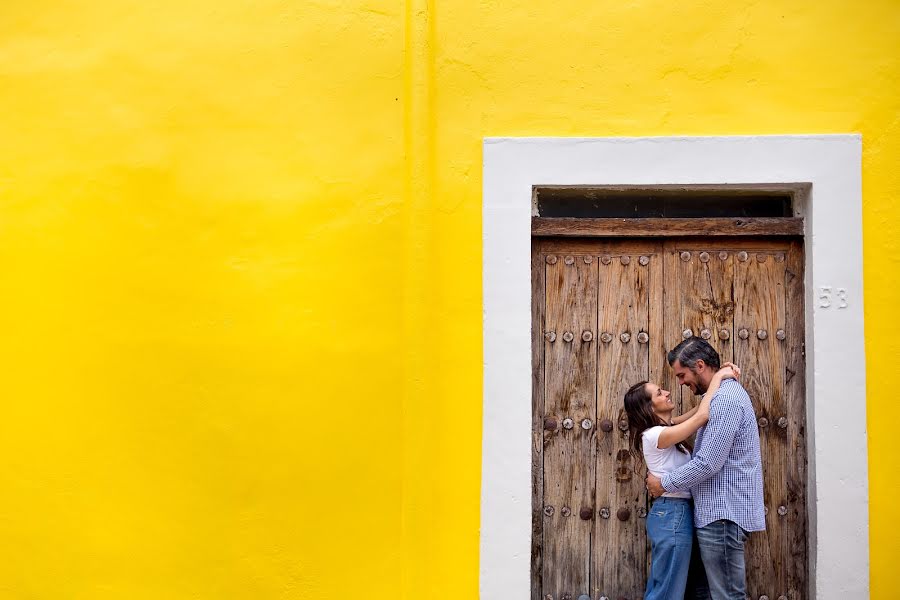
[{"x": 704, "y": 385}]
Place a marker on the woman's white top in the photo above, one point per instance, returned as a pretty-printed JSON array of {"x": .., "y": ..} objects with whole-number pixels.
[{"x": 662, "y": 460}]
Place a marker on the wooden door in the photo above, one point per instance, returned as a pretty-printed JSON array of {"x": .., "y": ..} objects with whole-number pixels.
[{"x": 604, "y": 314}]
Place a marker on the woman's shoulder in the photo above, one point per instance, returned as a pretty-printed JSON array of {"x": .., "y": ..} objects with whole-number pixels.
[
  {"x": 650, "y": 441},
  {"x": 652, "y": 433}
]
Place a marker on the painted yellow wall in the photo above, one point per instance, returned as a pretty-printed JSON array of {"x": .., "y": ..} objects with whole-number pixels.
[{"x": 240, "y": 249}]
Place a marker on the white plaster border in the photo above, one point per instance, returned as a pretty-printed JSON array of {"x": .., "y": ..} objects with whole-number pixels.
[{"x": 836, "y": 386}]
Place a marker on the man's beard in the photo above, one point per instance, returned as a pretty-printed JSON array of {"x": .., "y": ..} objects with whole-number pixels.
[{"x": 701, "y": 387}]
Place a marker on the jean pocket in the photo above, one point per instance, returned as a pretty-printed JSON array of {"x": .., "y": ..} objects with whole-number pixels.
[{"x": 670, "y": 519}]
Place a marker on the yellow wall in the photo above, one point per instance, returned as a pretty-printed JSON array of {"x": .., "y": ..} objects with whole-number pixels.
[{"x": 240, "y": 249}]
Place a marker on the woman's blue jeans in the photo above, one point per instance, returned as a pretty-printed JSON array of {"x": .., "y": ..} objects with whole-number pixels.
[{"x": 670, "y": 527}]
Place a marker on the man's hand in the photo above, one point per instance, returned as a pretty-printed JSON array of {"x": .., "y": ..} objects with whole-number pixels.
[{"x": 654, "y": 485}]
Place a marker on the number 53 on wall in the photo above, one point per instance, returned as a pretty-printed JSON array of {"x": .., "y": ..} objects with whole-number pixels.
[{"x": 829, "y": 297}]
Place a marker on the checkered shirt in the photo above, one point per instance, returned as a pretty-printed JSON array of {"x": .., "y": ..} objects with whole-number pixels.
[{"x": 725, "y": 473}]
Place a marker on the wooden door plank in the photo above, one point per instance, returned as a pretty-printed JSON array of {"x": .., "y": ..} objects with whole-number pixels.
[
  {"x": 596, "y": 246},
  {"x": 795, "y": 445},
  {"x": 619, "y": 563},
  {"x": 570, "y": 393},
  {"x": 672, "y": 317},
  {"x": 537, "y": 412},
  {"x": 666, "y": 227},
  {"x": 759, "y": 307},
  {"x": 705, "y": 285},
  {"x": 730, "y": 244},
  {"x": 659, "y": 372}
]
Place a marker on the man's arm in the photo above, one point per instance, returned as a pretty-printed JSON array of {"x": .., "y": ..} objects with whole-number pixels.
[{"x": 724, "y": 419}]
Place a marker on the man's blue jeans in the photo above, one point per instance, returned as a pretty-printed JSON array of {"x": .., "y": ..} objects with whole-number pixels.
[{"x": 722, "y": 549}]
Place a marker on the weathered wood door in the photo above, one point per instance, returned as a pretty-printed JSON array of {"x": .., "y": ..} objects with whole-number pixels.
[{"x": 604, "y": 314}]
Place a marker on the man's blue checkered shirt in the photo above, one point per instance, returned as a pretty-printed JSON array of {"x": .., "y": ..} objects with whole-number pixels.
[{"x": 725, "y": 473}]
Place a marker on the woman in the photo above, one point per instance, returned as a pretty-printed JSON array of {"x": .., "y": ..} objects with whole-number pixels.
[{"x": 663, "y": 441}]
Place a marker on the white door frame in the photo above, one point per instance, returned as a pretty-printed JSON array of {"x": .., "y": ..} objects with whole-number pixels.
[{"x": 835, "y": 360}]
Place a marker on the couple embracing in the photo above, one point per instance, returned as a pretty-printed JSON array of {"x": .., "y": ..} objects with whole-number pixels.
[{"x": 709, "y": 497}]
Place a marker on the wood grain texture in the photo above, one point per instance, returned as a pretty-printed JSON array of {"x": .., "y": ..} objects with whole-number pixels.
[
  {"x": 703, "y": 296},
  {"x": 672, "y": 319},
  {"x": 537, "y": 425},
  {"x": 659, "y": 371},
  {"x": 570, "y": 393},
  {"x": 619, "y": 565},
  {"x": 581, "y": 227},
  {"x": 795, "y": 445},
  {"x": 595, "y": 246},
  {"x": 759, "y": 306}
]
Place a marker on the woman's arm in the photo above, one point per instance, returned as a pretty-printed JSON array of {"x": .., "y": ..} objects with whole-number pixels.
[{"x": 695, "y": 418}]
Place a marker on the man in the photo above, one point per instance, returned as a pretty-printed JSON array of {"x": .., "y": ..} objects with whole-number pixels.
[{"x": 724, "y": 475}]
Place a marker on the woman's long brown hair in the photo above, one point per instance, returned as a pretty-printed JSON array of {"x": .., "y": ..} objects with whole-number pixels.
[{"x": 639, "y": 408}]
